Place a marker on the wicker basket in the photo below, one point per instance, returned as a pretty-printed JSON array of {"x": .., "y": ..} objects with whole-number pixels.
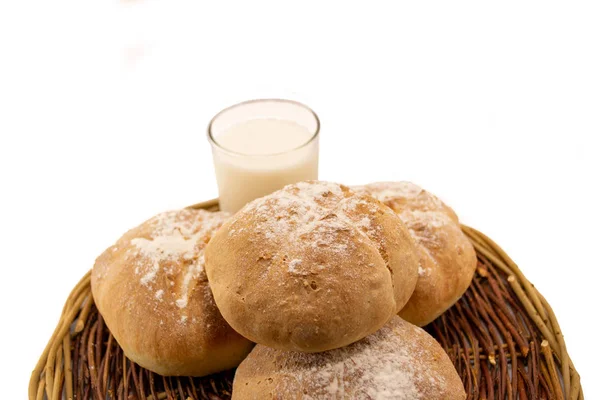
[{"x": 502, "y": 337}]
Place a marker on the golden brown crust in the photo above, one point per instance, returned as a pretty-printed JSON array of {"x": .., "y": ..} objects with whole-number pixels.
[
  {"x": 153, "y": 293},
  {"x": 447, "y": 257},
  {"x": 400, "y": 361},
  {"x": 311, "y": 267}
]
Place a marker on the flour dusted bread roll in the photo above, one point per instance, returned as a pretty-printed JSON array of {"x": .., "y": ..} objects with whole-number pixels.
[
  {"x": 311, "y": 267},
  {"x": 447, "y": 258},
  {"x": 152, "y": 291},
  {"x": 400, "y": 361}
]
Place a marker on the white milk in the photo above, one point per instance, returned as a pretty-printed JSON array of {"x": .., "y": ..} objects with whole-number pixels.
[{"x": 258, "y": 156}]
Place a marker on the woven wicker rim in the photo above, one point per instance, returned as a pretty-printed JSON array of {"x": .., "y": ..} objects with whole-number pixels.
[{"x": 53, "y": 376}]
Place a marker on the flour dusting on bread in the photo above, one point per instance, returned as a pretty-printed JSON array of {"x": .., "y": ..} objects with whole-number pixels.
[
  {"x": 296, "y": 209},
  {"x": 400, "y": 361},
  {"x": 379, "y": 365},
  {"x": 175, "y": 240},
  {"x": 319, "y": 208}
]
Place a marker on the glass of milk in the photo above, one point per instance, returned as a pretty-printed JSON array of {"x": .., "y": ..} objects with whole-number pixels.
[{"x": 259, "y": 146}]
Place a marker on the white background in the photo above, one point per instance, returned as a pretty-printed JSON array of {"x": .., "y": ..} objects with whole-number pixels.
[{"x": 495, "y": 107}]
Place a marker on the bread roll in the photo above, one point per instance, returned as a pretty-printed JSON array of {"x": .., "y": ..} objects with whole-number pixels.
[
  {"x": 311, "y": 267},
  {"x": 152, "y": 292},
  {"x": 447, "y": 258},
  {"x": 400, "y": 361}
]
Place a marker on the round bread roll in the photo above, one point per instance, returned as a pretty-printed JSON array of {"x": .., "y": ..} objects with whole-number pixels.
[
  {"x": 447, "y": 257},
  {"x": 152, "y": 292},
  {"x": 311, "y": 267},
  {"x": 400, "y": 361}
]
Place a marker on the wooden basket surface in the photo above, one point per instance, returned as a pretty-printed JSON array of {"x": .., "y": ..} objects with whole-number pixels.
[{"x": 502, "y": 337}]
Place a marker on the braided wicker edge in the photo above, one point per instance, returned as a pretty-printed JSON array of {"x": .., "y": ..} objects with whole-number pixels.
[{"x": 53, "y": 371}]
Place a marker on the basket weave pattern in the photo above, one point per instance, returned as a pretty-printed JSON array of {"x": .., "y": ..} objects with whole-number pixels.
[{"x": 502, "y": 337}]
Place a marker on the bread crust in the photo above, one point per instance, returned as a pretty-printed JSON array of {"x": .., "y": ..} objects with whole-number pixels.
[
  {"x": 446, "y": 256},
  {"x": 400, "y": 361},
  {"x": 311, "y": 267},
  {"x": 152, "y": 291}
]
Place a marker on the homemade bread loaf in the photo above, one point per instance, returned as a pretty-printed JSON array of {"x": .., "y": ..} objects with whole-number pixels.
[
  {"x": 400, "y": 361},
  {"x": 311, "y": 267},
  {"x": 447, "y": 258},
  {"x": 152, "y": 292}
]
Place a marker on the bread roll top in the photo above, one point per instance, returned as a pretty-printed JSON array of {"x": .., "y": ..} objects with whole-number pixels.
[
  {"x": 154, "y": 296},
  {"x": 447, "y": 259},
  {"x": 399, "y": 361},
  {"x": 311, "y": 267}
]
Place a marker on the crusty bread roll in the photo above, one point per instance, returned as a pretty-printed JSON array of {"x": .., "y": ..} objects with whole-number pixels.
[
  {"x": 400, "y": 361},
  {"x": 152, "y": 291},
  {"x": 447, "y": 257},
  {"x": 311, "y": 267}
]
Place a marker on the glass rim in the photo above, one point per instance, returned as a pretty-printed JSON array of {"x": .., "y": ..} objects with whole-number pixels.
[{"x": 215, "y": 143}]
